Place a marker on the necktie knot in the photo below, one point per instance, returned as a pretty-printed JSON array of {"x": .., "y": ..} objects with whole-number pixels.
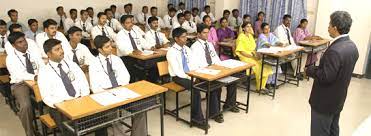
[
  {"x": 60, "y": 65},
  {"x": 25, "y": 55}
]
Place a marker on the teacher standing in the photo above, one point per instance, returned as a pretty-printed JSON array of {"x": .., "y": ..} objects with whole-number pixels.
[{"x": 332, "y": 77}]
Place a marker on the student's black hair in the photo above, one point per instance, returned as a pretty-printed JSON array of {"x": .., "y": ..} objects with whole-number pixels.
[
  {"x": 235, "y": 10},
  {"x": 302, "y": 21},
  {"x": 129, "y": 4},
  {"x": 100, "y": 14},
  {"x": 187, "y": 12},
  {"x": 82, "y": 11},
  {"x": 226, "y": 11},
  {"x": 181, "y": 4},
  {"x": 12, "y": 11},
  {"x": 204, "y": 18},
  {"x": 14, "y": 26},
  {"x": 263, "y": 25},
  {"x": 201, "y": 27},
  {"x": 195, "y": 9},
  {"x": 107, "y": 10},
  {"x": 100, "y": 40},
  {"x": 15, "y": 36},
  {"x": 50, "y": 44},
  {"x": 177, "y": 32},
  {"x": 144, "y": 7},
  {"x": 342, "y": 21},
  {"x": 73, "y": 29},
  {"x": 73, "y": 10},
  {"x": 170, "y": 4},
  {"x": 207, "y": 6},
  {"x": 153, "y": 8},
  {"x": 179, "y": 15},
  {"x": 246, "y": 16},
  {"x": 89, "y": 8},
  {"x": 113, "y": 6},
  {"x": 287, "y": 16},
  {"x": 31, "y": 21},
  {"x": 151, "y": 19},
  {"x": 221, "y": 19},
  {"x": 59, "y": 7},
  {"x": 49, "y": 22},
  {"x": 172, "y": 10},
  {"x": 2, "y": 22},
  {"x": 125, "y": 17},
  {"x": 259, "y": 13}
]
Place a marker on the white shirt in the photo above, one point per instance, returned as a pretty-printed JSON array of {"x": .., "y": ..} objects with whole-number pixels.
[
  {"x": 210, "y": 14},
  {"x": 88, "y": 26},
  {"x": 338, "y": 37},
  {"x": 16, "y": 65},
  {"x": 58, "y": 20},
  {"x": 68, "y": 23},
  {"x": 232, "y": 21},
  {"x": 281, "y": 33},
  {"x": 98, "y": 74},
  {"x": 174, "y": 58},
  {"x": 83, "y": 55},
  {"x": 32, "y": 48},
  {"x": 196, "y": 19},
  {"x": 198, "y": 49},
  {"x": 51, "y": 86},
  {"x": 167, "y": 20},
  {"x": 95, "y": 20},
  {"x": 123, "y": 43},
  {"x": 114, "y": 24},
  {"x": 116, "y": 15},
  {"x": 140, "y": 18},
  {"x": 151, "y": 38},
  {"x": 187, "y": 25},
  {"x": 24, "y": 28},
  {"x": 139, "y": 30},
  {"x": 42, "y": 37},
  {"x": 5, "y": 39},
  {"x": 161, "y": 23},
  {"x": 31, "y": 35},
  {"x": 97, "y": 30},
  {"x": 180, "y": 11}
]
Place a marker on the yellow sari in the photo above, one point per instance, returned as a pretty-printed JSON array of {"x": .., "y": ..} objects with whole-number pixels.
[{"x": 246, "y": 43}]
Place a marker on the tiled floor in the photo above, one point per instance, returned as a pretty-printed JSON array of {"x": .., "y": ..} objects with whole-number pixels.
[{"x": 287, "y": 115}]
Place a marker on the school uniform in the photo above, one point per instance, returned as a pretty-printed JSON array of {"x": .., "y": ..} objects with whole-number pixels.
[
  {"x": 169, "y": 21},
  {"x": 68, "y": 23},
  {"x": 3, "y": 41},
  {"x": 187, "y": 25},
  {"x": 210, "y": 14},
  {"x": 86, "y": 28},
  {"x": 42, "y": 37},
  {"x": 103, "y": 30},
  {"x": 80, "y": 55},
  {"x": 155, "y": 37},
  {"x": 114, "y": 24},
  {"x": 32, "y": 35}
]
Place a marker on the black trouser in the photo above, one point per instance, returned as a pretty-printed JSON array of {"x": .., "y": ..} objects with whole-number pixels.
[
  {"x": 137, "y": 68},
  {"x": 324, "y": 124},
  {"x": 59, "y": 119},
  {"x": 196, "y": 114},
  {"x": 230, "y": 100}
]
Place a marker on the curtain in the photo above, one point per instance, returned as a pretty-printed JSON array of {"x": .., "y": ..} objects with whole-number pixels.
[
  {"x": 200, "y": 4},
  {"x": 298, "y": 10}
]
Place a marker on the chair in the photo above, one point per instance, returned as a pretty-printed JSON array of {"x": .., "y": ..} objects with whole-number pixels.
[{"x": 48, "y": 122}]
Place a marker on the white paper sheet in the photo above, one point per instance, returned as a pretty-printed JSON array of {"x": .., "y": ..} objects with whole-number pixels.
[
  {"x": 105, "y": 98},
  {"x": 231, "y": 63},
  {"x": 228, "y": 79},
  {"x": 124, "y": 93},
  {"x": 208, "y": 71},
  {"x": 147, "y": 52}
]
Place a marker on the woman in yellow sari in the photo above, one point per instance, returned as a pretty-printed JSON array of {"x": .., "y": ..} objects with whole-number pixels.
[{"x": 246, "y": 51}]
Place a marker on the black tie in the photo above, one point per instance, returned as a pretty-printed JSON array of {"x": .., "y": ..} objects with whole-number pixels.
[
  {"x": 133, "y": 42},
  {"x": 145, "y": 18},
  {"x": 92, "y": 21},
  {"x": 109, "y": 23},
  {"x": 288, "y": 35},
  {"x": 74, "y": 59},
  {"x": 84, "y": 27},
  {"x": 2, "y": 41},
  {"x": 67, "y": 82},
  {"x": 194, "y": 19},
  {"x": 111, "y": 74},
  {"x": 207, "y": 54},
  {"x": 29, "y": 67},
  {"x": 103, "y": 32},
  {"x": 236, "y": 21},
  {"x": 61, "y": 22},
  {"x": 171, "y": 21},
  {"x": 157, "y": 39},
  {"x": 189, "y": 22}
]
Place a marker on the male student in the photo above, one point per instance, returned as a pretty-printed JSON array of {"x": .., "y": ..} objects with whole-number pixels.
[
  {"x": 61, "y": 80},
  {"x": 71, "y": 21},
  {"x": 283, "y": 33},
  {"x": 181, "y": 8},
  {"x": 115, "y": 14},
  {"x": 33, "y": 24},
  {"x": 3, "y": 34},
  {"x": 32, "y": 46},
  {"x": 13, "y": 15},
  {"x": 195, "y": 16},
  {"x": 127, "y": 9},
  {"x": 169, "y": 6},
  {"x": 15, "y": 28},
  {"x": 155, "y": 14},
  {"x": 85, "y": 25},
  {"x": 80, "y": 53},
  {"x": 111, "y": 22},
  {"x": 183, "y": 24},
  {"x": 102, "y": 29},
  {"x": 170, "y": 18},
  {"x": 142, "y": 16},
  {"x": 92, "y": 18},
  {"x": 155, "y": 38},
  {"x": 23, "y": 65},
  {"x": 207, "y": 11},
  {"x": 181, "y": 61},
  {"x": 235, "y": 20},
  {"x": 61, "y": 17},
  {"x": 188, "y": 20},
  {"x": 50, "y": 32},
  {"x": 206, "y": 55}
]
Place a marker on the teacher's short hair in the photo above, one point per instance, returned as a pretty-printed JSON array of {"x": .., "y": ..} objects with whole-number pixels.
[{"x": 342, "y": 21}]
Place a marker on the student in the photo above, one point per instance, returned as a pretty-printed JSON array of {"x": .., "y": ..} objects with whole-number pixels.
[
  {"x": 169, "y": 6},
  {"x": 283, "y": 33},
  {"x": 60, "y": 18},
  {"x": 142, "y": 16},
  {"x": 115, "y": 14},
  {"x": 80, "y": 53},
  {"x": 50, "y": 32},
  {"x": 225, "y": 34},
  {"x": 127, "y": 9},
  {"x": 93, "y": 19},
  {"x": 181, "y": 61},
  {"x": 15, "y": 28},
  {"x": 13, "y": 15},
  {"x": 183, "y": 24},
  {"x": 3, "y": 34},
  {"x": 170, "y": 18},
  {"x": 235, "y": 20},
  {"x": 206, "y": 55},
  {"x": 23, "y": 65},
  {"x": 258, "y": 23},
  {"x": 213, "y": 37},
  {"x": 226, "y": 14},
  {"x": 246, "y": 18},
  {"x": 181, "y": 8},
  {"x": 208, "y": 12},
  {"x": 32, "y": 46},
  {"x": 102, "y": 29},
  {"x": 155, "y": 38},
  {"x": 34, "y": 29},
  {"x": 137, "y": 28},
  {"x": 84, "y": 24},
  {"x": 111, "y": 22},
  {"x": 155, "y": 14},
  {"x": 192, "y": 25},
  {"x": 195, "y": 16},
  {"x": 61, "y": 80},
  {"x": 71, "y": 21}
]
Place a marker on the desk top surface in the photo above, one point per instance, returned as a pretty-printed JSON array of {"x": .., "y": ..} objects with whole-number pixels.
[
  {"x": 224, "y": 72},
  {"x": 156, "y": 54},
  {"x": 314, "y": 42},
  {"x": 284, "y": 53}
]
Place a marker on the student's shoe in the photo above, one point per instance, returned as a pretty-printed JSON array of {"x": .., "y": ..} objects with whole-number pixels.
[
  {"x": 233, "y": 109},
  {"x": 200, "y": 124},
  {"x": 219, "y": 119}
]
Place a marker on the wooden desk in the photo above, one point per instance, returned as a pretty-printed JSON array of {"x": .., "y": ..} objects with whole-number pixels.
[
  {"x": 2, "y": 60},
  {"x": 157, "y": 54},
  {"x": 283, "y": 53},
  {"x": 314, "y": 43},
  {"x": 224, "y": 72}
]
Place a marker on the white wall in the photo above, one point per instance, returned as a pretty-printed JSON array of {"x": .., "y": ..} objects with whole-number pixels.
[
  {"x": 221, "y": 5},
  {"x": 361, "y": 27},
  {"x": 42, "y": 9}
]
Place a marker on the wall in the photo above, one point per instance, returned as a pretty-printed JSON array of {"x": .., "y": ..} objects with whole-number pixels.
[
  {"x": 222, "y": 5},
  {"x": 361, "y": 27},
  {"x": 42, "y": 9}
]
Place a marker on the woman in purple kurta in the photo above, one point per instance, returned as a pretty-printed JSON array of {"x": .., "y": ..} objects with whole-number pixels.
[{"x": 224, "y": 34}]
